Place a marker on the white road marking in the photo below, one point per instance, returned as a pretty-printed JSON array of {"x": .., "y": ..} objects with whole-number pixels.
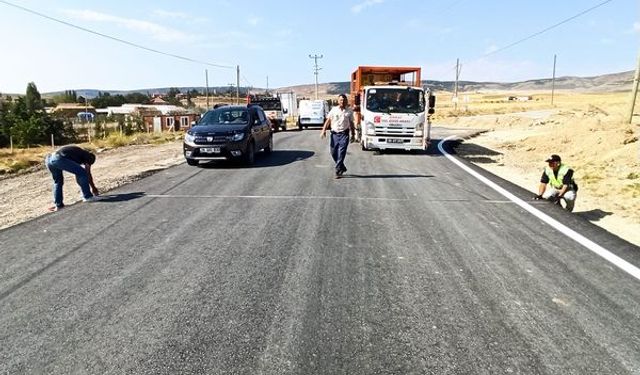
[
  {"x": 273, "y": 197},
  {"x": 599, "y": 250}
]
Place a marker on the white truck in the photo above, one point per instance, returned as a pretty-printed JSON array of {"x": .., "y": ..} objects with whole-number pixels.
[
  {"x": 392, "y": 110},
  {"x": 312, "y": 113},
  {"x": 289, "y": 101},
  {"x": 272, "y": 107}
]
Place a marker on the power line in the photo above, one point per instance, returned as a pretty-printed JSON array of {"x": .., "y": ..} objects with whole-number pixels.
[
  {"x": 547, "y": 29},
  {"x": 116, "y": 39}
]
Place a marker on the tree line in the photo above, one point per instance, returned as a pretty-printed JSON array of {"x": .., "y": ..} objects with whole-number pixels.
[{"x": 24, "y": 121}]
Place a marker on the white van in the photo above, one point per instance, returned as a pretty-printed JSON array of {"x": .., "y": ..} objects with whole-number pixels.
[{"x": 312, "y": 113}]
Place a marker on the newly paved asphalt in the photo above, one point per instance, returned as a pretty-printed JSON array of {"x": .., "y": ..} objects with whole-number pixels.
[{"x": 408, "y": 265}]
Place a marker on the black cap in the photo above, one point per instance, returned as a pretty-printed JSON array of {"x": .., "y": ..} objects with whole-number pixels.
[{"x": 554, "y": 157}]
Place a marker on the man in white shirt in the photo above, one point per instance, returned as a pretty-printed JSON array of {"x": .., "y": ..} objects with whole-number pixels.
[{"x": 340, "y": 120}]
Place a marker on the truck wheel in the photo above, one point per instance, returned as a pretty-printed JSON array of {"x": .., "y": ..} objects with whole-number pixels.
[{"x": 299, "y": 126}]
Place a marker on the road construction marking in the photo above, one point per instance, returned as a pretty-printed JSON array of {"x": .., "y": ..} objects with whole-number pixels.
[
  {"x": 274, "y": 197},
  {"x": 599, "y": 250},
  {"x": 309, "y": 197}
]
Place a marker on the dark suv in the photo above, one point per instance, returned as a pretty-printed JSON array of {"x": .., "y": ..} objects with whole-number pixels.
[{"x": 229, "y": 132}]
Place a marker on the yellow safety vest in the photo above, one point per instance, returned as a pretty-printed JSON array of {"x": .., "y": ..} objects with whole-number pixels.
[{"x": 554, "y": 181}]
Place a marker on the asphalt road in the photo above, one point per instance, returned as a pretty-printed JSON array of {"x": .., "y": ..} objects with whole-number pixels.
[{"x": 408, "y": 265}]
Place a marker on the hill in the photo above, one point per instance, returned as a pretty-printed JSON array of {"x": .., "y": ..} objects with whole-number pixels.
[{"x": 614, "y": 82}]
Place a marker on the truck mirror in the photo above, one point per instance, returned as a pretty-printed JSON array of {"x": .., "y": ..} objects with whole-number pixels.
[
  {"x": 284, "y": 110},
  {"x": 432, "y": 104}
]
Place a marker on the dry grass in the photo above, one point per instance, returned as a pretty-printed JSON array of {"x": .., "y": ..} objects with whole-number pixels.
[
  {"x": 24, "y": 159},
  {"x": 589, "y": 131}
]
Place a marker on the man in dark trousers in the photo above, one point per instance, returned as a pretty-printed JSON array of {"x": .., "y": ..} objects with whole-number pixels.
[
  {"x": 561, "y": 186},
  {"x": 340, "y": 120},
  {"x": 77, "y": 161}
]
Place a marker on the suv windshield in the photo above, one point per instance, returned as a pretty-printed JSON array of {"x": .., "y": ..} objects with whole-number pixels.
[
  {"x": 397, "y": 100},
  {"x": 225, "y": 116}
]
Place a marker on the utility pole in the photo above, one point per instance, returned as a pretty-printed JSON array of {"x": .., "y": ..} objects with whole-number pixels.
[
  {"x": 206, "y": 78},
  {"x": 553, "y": 79},
  {"x": 316, "y": 69},
  {"x": 237, "y": 84},
  {"x": 455, "y": 89},
  {"x": 267, "y": 84},
  {"x": 634, "y": 92}
]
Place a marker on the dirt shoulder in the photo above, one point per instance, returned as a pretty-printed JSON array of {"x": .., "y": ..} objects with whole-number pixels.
[
  {"x": 28, "y": 195},
  {"x": 601, "y": 148}
]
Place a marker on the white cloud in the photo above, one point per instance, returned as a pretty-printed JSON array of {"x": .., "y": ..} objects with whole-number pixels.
[
  {"x": 490, "y": 49},
  {"x": 254, "y": 20},
  {"x": 283, "y": 33},
  {"x": 160, "y": 13},
  {"x": 365, "y": 4},
  {"x": 154, "y": 30}
]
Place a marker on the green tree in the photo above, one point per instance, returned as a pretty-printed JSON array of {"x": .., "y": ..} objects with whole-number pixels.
[
  {"x": 136, "y": 97},
  {"x": 33, "y": 100}
]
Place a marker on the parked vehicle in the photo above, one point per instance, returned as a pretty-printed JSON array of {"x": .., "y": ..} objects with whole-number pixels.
[
  {"x": 390, "y": 108},
  {"x": 312, "y": 113},
  {"x": 289, "y": 107},
  {"x": 229, "y": 132},
  {"x": 272, "y": 107}
]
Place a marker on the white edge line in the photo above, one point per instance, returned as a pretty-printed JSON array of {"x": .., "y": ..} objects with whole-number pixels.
[{"x": 582, "y": 240}]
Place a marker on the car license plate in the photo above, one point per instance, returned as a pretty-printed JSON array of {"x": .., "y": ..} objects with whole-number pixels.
[
  {"x": 395, "y": 140},
  {"x": 210, "y": 150}
]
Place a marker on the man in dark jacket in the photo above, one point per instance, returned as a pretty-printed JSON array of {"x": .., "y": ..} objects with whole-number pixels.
[{"x": 77, "y": 161}]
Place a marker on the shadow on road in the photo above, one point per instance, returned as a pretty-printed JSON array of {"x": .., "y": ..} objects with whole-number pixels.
[
  {"x": 121, "y": 197},
  {"x": 594, "y": 215},
  {"x": 262, "y": 160},
  {"x": 475, "y": 153}
]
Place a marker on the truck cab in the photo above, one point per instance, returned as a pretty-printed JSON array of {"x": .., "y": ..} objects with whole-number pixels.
[
  {"x": 392, "y": 109},
  {"x": 272, "y": 107}
]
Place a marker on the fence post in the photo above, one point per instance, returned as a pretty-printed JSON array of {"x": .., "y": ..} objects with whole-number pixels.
[
  {"x": 11, "y": 143},
  {"x": 53, "y": 145}
]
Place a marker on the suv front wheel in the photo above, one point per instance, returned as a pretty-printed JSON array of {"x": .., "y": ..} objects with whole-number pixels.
[
  {"x": 269, "y": 148},
  {"x": 250, "y": 154}
]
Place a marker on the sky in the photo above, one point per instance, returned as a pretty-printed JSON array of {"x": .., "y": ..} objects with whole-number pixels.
[{"x": 272, "y": 41}]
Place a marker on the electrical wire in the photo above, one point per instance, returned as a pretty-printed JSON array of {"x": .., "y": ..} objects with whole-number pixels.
[
  {"x": 546, "y": 29},
  {"x": 116, "y": 39}
]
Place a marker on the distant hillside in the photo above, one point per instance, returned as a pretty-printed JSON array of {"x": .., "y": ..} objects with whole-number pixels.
[{"x": 602, "y": 83}]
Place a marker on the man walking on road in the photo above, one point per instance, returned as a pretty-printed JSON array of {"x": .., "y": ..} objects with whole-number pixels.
[
  {"x": 77, "y": 161},
  {"x": 559, "y": 177},
  {"x": 340, "y": 120}
]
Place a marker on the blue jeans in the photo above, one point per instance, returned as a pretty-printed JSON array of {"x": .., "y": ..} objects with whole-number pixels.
[
  {"x": 56, "y": 164},
  {"x": 339, "y": 143}
]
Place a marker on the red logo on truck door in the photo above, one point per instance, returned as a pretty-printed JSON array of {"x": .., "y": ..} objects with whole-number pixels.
[{"x": 376, "y": 119}]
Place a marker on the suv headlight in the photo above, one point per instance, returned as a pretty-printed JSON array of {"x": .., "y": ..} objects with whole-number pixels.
[
  {"x": 189, "y": 138},
  {"x": 237, "y": 137}
]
